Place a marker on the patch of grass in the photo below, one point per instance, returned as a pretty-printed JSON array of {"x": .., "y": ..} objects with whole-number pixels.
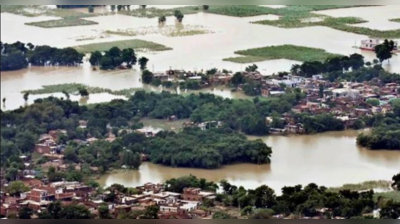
[
  {"x": 72, "y": 88},
  {"x": 247, "y": 59},
  {"x": 392, "y": 195},
  {"x": 169, "y": 31},
  {"x": 299, "y": 16},
  {"x": 155, "y": 13},
  {"x": 368, "y": 185},
  {"x": 291, "y": 52},
  {"x": 68, "y": 17},
  {"x": 139, "y": 45},
  {"x": 395, "y": 20},
  {"x": 62, "y": 23}
]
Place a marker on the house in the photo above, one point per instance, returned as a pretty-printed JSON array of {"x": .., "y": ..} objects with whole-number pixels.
[
  {"x": 83, "y": 124},
  {"x": 346, "y": 93},
  {"x": 294, "y": 129},
  {"x": 195, "y": 194}
]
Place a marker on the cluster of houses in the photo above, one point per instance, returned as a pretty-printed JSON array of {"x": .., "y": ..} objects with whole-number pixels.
[
  {"x": 182, "y": 76},
  {"x": 346, "y": 101},
  {"x": 182, "y": 206}
]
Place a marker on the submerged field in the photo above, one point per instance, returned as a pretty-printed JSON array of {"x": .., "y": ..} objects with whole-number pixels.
[
  {"x": 62, "y": 23},
  {"x": 290, "y": 52},
  {"x": 139, "y": 45},
  {"x": 73, "y": 88},
  {"x": 302, "y": 16}
]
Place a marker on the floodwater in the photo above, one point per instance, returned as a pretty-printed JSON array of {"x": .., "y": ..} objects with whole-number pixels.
[
  {"x": 330, "y": 159},
  {"x": 189, "y": 52}
]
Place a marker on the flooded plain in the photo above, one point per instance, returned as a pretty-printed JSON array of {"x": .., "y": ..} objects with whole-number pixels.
[{"x": 192, "y": 53}]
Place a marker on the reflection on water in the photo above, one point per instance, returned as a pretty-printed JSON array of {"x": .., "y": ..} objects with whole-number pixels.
[{"x": 330, "y": 159}]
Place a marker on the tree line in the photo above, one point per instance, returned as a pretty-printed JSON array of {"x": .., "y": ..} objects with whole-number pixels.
[
  {"x": 18, "y": 56},
  {"x": 115, "y": 58}
]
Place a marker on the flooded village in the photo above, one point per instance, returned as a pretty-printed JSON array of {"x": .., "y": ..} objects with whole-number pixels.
[{"x": 96, "y": 153}]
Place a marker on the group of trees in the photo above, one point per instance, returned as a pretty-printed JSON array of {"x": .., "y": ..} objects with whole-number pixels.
[
  {"x": 116, "y": 57},
  {"x": 18, "y": 55},
  {"x": 386, "y": 131},
  {"x": 333, "y": 64},
  {"x": 319, "y": 123},
  {"x": 263, "y": 203},
  {"x": 206, "y": 149}
]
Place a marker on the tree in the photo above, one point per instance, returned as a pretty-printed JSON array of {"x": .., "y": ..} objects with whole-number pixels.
[
  {"x": 265, "y": 197},
  {"x": 25, "y": 213},
  {"x": 113, "y": 8},
  {"x": 26, "y": 96},
  {"x": 179, "y": 15},
  {"x": 75, "y": 212},
  {"x": 143, "y": 63},
  {"x": 15, "y": 188},
  {"x": 151, "y": 212},
  {"x": 238, "y": 78},
  {"x": 221, "y": 215},
  {"x": 262, "y": 214},
  {"x": 95, "y": 58},
  {"x": 384, "y": 51},
  {"x": 119, "y": 8},
  {"x": 129, "y": 57},
  {"x": 396, "y": 181},
  {"x": 373, "y": 102},
  {"x": 321, "y": 91},
  {"x": 55, "y": 210},
  {"x": 25, "y": 141},
  {"x": 91, "y": 9},
  {"x": 44, "y": 215},
  {"x": 4, "y": 100},
  {"x": 131, "y": 160},
  {"x": 143, "y": 6},
  {"x": 104, "y": 212},
  {"x": 83, "y": 92},
  {"x": 356, "y": 61},
  {"x": 206, "y": 7},
  {"x": 147, "y": 76},
  {"x": 162, "y": 19},
  {"x": 251, "y": 68},
  {"x": 66, "y": 94}
]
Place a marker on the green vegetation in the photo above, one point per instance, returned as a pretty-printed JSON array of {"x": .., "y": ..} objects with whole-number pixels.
[
  {"x": 297, "y": 16},
  {"x": 368, "y": 185},
  {"x": 116, "y": 58},
  {"x": 62, "y": 23},
  {"x": 392, "y": 195},
  {"x": 156, "y": 13},
  {"x": 137, "y": 45},
  {"x": 206, "y": 149},
  {"x": 296, "y": 200},
  {"x": 291, "y": 52},
  {"x": 73, "y": 88},
  {"x": 17, "y": 55},
  {"x": 69, "y": 17},
  {"x": 395, "y": 20},
  {"x": 169, "y": 31},
  {"x": 386, "y": 134}
]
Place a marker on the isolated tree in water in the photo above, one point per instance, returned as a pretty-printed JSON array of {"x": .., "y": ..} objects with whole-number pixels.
[
  {"x": 179, "y": 15},
  {"x": 143, "y": 6},
  {"x": 26, "y": 97},
  {"x": 91, "y": 9},
  {"x": 384, "y": 51},
  {"x": 206, "y": 7},
  {"x": 143, "y": 63},
  {"x": 162, "y": 19},
  {"x": 4, "y": 100},
  {"x": 83, "y": 92},
  {"x": 112, "y": 8}
]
